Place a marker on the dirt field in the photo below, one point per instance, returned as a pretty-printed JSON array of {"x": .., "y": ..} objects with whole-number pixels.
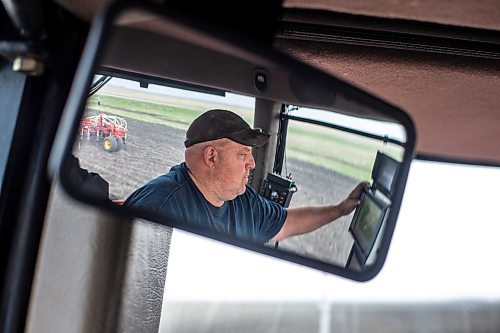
[{"x": 151, "y": 150}]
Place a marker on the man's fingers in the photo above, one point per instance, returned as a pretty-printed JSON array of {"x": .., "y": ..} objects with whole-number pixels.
[
  {"x": 353, "y": 200},
  {"x": 356, "y": 193}
]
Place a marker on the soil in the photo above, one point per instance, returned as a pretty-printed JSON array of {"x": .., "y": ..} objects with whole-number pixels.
[{"x": 150, "y": 150}]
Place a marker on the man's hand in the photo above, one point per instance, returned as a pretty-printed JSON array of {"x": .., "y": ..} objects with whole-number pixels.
[
  {"x": 301, "y": 220},
  {"x": 353, "y": 199}
]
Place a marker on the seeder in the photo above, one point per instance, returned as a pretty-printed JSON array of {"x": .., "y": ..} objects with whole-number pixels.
[{"x": 112, "y": 128}]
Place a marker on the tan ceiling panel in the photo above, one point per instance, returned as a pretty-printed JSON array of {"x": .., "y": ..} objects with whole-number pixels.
[
  {"x": 454, "y": 101},
  {"x": 479, "y": 13}
]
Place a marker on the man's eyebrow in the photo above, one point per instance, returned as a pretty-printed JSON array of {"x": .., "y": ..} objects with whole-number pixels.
[{"x": 245, "y": 150}]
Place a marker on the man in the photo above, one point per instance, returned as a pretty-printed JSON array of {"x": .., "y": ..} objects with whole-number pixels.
[{"x": 209, "y": 189}]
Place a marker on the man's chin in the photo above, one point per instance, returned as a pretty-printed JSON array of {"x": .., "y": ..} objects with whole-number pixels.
[
  {"x": 240, "y": 192},
  {"x": 243, "y": 190}
]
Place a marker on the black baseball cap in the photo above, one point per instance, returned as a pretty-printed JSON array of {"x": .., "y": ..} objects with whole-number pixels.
[{"x": 218, "y": 124}]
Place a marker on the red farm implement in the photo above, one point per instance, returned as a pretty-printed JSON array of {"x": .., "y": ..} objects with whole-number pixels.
[{"x": 112, "y": 128}]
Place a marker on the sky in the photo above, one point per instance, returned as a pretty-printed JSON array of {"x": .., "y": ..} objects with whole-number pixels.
[{"x": 443, "y": 247}]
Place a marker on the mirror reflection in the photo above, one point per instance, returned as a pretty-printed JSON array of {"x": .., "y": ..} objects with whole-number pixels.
[
  {"x": 132, "y": 136},
  {"x": 282, "y": 157}
]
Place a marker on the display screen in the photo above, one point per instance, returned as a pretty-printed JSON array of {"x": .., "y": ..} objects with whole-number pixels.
[
  {"x": 384, "y": 172},
  {"x": 366, "y": 223}
]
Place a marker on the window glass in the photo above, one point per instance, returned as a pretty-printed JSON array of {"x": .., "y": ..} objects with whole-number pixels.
[
  {"x": 326, "y": 164},
  {"x": 441, "y": 273}
]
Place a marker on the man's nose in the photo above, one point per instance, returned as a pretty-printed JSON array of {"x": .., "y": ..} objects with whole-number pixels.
[{"x": 251, "y": 162}]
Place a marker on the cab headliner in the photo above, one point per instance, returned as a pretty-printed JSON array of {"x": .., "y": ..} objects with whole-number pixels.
[{"x": 452, "y": 99}]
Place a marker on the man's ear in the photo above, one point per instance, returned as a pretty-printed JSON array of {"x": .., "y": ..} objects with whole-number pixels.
[{"x": 210, "y": 155}]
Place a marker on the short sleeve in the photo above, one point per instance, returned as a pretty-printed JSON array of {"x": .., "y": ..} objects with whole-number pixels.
[{"x": 269, "y": 216}]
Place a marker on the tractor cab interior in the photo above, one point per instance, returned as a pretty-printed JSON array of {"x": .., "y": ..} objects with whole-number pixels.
[{"x": 96, "y": 98}]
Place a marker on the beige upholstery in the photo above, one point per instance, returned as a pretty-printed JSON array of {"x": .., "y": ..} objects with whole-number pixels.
[{"x": 96, "y": 273}]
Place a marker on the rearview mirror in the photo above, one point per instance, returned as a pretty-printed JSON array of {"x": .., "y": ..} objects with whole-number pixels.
[{"x": 124, "y": 136}]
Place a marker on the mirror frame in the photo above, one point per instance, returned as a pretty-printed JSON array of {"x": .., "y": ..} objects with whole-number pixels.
[{"x": 63, "y": 144}]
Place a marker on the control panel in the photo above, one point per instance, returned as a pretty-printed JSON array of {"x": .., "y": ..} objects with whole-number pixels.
[{"x": 278, "y": 189}]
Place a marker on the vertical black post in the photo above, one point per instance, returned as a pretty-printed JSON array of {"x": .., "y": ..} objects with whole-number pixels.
[{"x": 281, "y": 145}]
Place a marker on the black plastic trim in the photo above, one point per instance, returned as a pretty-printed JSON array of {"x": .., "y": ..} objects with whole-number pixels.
[
  {"x": 159, "y": 81},
  {"x": 439, "y": 159}
]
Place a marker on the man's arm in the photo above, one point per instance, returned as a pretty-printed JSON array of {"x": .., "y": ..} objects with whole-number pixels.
[{"x": 306, "y": 219}]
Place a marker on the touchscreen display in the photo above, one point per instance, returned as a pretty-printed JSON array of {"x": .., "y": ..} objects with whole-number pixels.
[{"x": 367, "y": 223}]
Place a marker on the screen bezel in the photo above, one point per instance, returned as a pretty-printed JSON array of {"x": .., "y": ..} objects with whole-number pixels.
[{"x": 386, "y": 163}]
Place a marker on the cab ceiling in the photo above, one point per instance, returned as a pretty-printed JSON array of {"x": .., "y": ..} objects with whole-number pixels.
[{"x": 453, "y": 100}]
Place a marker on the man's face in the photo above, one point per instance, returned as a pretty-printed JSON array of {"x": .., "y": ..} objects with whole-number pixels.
[{"x": 232, "y": 168}]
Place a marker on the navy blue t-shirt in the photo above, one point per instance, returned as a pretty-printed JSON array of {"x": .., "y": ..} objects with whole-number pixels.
[{"x": 174, "y": 194}]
